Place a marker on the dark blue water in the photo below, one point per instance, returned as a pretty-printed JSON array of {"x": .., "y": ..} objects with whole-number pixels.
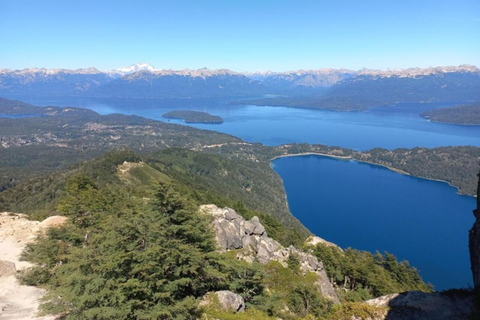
[
  {"x": 371, "y": 208},
  {"x": 390, "y": 127}
]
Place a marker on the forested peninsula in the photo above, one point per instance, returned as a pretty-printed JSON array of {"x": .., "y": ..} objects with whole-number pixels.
[{"x": 468, "y": 114}]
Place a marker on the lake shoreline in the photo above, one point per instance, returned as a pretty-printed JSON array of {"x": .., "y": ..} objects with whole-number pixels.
[
  {"x": 371, "y": 163},
  {"x": 451, "y": 123}
]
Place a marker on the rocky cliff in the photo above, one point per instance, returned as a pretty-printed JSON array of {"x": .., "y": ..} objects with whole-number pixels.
[
  {"x": 474, "y": 243},
  {"x": 233, "y": 232},
  {"x": 416, "y": 305}
]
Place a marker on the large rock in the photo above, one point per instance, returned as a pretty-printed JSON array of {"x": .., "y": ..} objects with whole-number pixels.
[
  {"x": 53, "y": 222},
  {"x": 233, "y": 232},
  {"x": 314, "y": 240},
  {"x": 416, "y": 305},
  {"x": 7, "y": 268},
  {"x": 228, "y": 300},
  {"x": 231, "y": 301},
  {"x": 474, "y": 243}
]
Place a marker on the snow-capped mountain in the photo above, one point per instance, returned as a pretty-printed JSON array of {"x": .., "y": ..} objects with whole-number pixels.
[
  {"x": 181, "y": 83},
  {"x": 135, "y": 68},
  {"x": 201, "y": 73},
  {"x": 320, "y": 78},
  {"x": 144, "y": 80},
  {"x": 418, "y": 72},
  {"x": 138, "y": 80},
  {"x": 49, "y": 72},
  {"x": 40, "y": 81}
]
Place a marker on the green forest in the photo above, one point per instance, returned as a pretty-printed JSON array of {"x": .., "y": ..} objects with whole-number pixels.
[
  {"x": 468, "y": 114},
  {"x": 135, "y": 247}
]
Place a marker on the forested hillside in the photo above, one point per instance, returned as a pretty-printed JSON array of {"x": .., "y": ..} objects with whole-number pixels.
[
  {"x": 135, "y": 247},
  {"x": 38, "y": 149},
  {"x": 468, "y": 114}
]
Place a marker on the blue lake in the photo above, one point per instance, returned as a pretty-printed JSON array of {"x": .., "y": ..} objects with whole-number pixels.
[
  {"x": 353, "y": 204},
  {"x": 387, "y": 127},
  {"x": 369, "y": 207}
]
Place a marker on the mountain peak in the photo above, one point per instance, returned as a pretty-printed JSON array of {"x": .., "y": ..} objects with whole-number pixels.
[{"x": 141, "y": 66}]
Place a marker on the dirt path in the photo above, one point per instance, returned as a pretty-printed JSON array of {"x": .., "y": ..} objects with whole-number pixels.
[{"x": 19, "y": 301}]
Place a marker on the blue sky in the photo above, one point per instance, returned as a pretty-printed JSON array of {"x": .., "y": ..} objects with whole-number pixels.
[{"x": 239, "y": 35}]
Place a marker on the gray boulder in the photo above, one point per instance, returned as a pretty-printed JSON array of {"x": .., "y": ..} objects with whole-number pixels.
[
  {"x": 231, "y": 301},
  {"x": 228, "y": 300},
  {"x": 254, "y": 227},
  {"x": 416, "y": 305},
  {"x": 227, "y": 234}
]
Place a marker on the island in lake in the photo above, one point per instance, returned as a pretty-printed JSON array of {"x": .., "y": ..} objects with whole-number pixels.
[
  {"x": 193, "y": 116},
  {"x": 464, "y": 114}
]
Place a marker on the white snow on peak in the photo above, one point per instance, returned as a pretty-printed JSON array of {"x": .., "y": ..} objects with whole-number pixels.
[
  {"x": 136, "y": 68},
  {"x": 49, "y": 72},
  {"x": 300, "y": 72},
  {"x": 201, "y": 73},
  {"x": 410, "y": 72},
  {"x": 414, "y": 72}
]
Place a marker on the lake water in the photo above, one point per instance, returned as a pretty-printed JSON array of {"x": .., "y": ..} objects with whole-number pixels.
[
  {"x": 349, "y": 203},
  {"x": 391, "y": 127},
  {"x": 369, "y": 207}
]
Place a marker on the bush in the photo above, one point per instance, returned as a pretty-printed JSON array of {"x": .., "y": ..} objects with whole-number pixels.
[{"x": 34, "y": 276}]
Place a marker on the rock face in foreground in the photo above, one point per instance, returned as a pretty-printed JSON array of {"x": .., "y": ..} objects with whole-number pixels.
[
  {"x": 233, "y": 232},
  {"x": 416, "y": 305},
  {"x": 474, "y": 243}
]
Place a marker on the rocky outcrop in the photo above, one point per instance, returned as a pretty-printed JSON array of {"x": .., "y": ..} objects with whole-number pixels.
[
  {"x": 226, "y": 299},
  {"x": 474, "y": 243},
  {"x": 314, "y": 240},
  {"x": 233, "y": 232},
  {"x": 416, "y": 305}
]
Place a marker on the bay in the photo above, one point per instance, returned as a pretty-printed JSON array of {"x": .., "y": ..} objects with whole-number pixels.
[{"x": 369, "y": 207}]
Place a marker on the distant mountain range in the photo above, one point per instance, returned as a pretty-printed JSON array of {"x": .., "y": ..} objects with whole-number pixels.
[{"x": 142, "y": 80}]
